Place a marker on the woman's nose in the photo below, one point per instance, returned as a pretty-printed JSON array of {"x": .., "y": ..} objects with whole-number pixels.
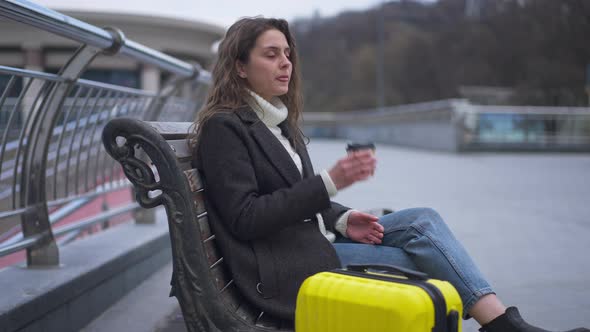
[{"x": 285, "y": 62}]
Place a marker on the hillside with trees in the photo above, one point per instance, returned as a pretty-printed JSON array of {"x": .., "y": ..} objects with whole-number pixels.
[{"x": 539, "y": 49}]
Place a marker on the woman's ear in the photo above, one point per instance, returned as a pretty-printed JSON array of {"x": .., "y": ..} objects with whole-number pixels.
[{"x": 240, "y": 69}]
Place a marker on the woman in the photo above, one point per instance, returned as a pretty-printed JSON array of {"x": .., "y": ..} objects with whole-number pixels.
[{"x": 273, "y": 216}]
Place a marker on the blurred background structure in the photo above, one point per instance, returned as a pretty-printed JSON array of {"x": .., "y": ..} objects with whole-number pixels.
[
  {"x": 449, "y": 75},
  {"x": 520, "y": 68},
  {"x": 28, "y": 47},
  {"x": 496, "y": 52}
]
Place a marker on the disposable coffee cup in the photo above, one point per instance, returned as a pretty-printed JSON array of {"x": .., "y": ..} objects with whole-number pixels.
[{"x": 355, "y": 146}]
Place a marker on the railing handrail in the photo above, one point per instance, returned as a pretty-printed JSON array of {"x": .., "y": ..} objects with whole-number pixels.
[
  {"x": 49, "y": 20},
  {"x": 455, "y": 105},
  {"x": 538, "y": 110}
]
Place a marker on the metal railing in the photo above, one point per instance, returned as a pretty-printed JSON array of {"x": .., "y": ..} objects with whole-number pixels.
[
  {"x": 525, "y": 127},
  {"x": 52, "y": 161},
  {"x": 458, "y": 125}
]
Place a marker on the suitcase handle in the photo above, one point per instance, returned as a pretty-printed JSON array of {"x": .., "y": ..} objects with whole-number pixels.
[{"x": 391, "y": 269}]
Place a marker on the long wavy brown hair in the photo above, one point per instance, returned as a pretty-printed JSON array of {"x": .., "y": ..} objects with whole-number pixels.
[{"x": 228, "y": 91}]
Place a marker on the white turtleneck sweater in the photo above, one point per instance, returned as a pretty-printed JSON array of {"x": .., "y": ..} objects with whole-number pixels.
[{"x": 272, "y": 114}]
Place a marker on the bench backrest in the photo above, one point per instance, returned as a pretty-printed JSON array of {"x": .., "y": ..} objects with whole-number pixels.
[{"x": 156, "y": 158}]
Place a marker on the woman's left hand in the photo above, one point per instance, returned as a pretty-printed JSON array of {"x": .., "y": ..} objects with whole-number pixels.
[{"x": 364, "y": 228}]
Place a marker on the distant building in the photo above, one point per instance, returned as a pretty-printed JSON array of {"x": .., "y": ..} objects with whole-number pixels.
[{"x": 31, "y": 48}]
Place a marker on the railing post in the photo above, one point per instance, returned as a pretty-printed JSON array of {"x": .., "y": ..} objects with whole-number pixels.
[
  {"x": 35, "y": 222},
  {"x": 33, "y": 181}
]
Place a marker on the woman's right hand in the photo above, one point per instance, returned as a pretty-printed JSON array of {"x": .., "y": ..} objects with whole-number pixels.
[{"x": 356, "y": 166}]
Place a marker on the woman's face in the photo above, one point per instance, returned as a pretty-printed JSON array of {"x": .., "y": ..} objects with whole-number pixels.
[{"x": 269, "y": 68}]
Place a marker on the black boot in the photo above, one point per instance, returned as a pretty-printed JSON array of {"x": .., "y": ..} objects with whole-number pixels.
[{"x": 510, "y": 321}]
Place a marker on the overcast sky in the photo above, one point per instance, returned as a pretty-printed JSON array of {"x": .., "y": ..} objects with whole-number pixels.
[{"x": 220, "y": 12}]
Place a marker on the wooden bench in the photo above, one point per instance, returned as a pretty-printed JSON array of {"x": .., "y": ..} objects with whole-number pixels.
[{"x": 208, "y": 297}]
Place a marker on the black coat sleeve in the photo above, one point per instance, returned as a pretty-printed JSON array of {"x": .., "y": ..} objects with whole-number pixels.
[
  {"x": 332, "y": 214},
  {"x": 224, "y": 161}
]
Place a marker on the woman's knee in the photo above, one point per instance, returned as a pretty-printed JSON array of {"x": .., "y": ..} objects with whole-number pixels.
[
  {"x": 430, "y": 213},
  {"x": 420, "y": 216},
  {"x": 425, "y": 218},
  {"x": 425, "y": 212},
  {"x": 429, "y": 221}
]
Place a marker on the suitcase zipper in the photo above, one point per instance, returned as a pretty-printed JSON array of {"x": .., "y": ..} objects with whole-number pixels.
[{"x": 440, "y": 306}]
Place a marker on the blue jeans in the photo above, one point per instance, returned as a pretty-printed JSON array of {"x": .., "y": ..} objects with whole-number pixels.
[{"x": 419, "y": 239}]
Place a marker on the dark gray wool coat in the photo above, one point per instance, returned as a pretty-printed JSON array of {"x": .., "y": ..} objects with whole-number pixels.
[{"x": 258, "y": 204}]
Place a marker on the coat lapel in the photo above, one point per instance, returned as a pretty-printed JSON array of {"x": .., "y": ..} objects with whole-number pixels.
[
  {"x": 270, "y": 145},
  {"x": 301, "y": 151},
  {"x": 305, "y": 160}
]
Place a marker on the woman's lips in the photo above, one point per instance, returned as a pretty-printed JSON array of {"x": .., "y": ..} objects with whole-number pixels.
[{"x": 283, "y": 78}]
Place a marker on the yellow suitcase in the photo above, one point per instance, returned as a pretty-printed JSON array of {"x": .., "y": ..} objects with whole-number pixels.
[{"x": 375, "y": 298}]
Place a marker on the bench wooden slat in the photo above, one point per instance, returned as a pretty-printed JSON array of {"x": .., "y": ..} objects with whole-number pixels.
[
  {"x": 185, "y": 164},
  {"x": 229, "y": 283},
  {"x": 205, "y": 228},
  {"x": 172, "y": 130},
  {"x": 213, "y": 254},
  {"x": 220, "y": 277},
  {"x": 181, "y": 149},
  {"x": 199, "y": 204},
  {"x": 232, "y": 296},
  {"x": 194, "y": 180},
  {"x": 216, "y": 263}
]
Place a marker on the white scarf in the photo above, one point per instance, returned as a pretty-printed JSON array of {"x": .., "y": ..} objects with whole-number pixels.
[{"x": 271, "y": 114}]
